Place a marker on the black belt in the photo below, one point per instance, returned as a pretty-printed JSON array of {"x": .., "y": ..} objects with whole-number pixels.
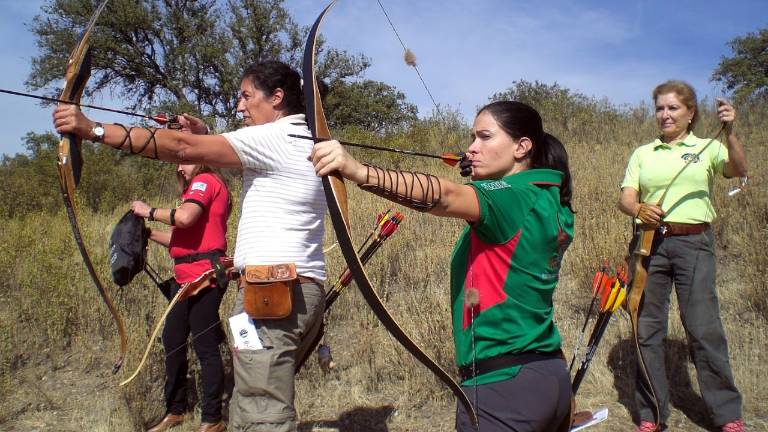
[
  {"x": 212, "y": 256},
  {"x": 503, "y": 361}
]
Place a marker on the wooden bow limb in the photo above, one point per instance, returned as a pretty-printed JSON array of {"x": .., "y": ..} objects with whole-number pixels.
[
  {"x": 69, "y": 167},
  {"x": 186, "y": 290}
]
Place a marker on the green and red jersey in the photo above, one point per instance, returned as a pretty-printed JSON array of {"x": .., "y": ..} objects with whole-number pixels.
[{"x": 509, "y": 260}]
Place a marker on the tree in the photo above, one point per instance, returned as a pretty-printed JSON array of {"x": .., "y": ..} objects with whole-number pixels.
[
  {"x": 564, "y": 111},
  {"x": 369, "y": 105},
  {"x": 187, "y": 55},
  {"x": 746, "y": 72}
]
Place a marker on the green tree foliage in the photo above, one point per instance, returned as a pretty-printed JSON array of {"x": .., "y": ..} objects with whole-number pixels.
[
  {"x": 110, "y": 179},
  {"x": 189, "y": 55},
  {"x": 370, "y": 105},
  {"x": 564, "y": 111},
  {"x": 746, "y": 72}
]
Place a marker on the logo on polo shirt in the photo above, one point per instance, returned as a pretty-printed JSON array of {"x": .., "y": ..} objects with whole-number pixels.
[
  {"x": 198, "y": 186},
  {"x": 494, "y": 185},
  {"x": 694, "y": 158}
]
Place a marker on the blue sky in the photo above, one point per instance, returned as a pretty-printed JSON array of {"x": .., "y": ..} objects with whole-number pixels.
[{"x": 469, "y": 49}]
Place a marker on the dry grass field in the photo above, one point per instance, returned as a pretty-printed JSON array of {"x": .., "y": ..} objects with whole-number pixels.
[{"x": 57, "y": 340}]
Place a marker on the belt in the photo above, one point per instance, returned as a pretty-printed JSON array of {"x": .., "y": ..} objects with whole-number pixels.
[
  {"x": 504, "y": 361},
  {"x": 212, "y": 255},
  {"x": 235, "y": 275},
  {"x": 305, "y": 279},
  {"x": 669, "y": 229}
]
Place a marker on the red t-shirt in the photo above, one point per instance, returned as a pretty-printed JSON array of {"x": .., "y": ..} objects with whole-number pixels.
[{"x": 208, "y": 233}]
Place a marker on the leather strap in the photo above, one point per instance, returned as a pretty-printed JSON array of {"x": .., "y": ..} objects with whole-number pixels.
[{"x": 669, "y": 229}]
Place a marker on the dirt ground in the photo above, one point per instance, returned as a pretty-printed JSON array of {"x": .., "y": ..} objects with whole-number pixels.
[{"x": 66, "y": 395}]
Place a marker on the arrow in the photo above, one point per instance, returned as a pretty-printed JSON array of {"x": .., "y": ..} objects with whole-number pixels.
[
  {"x": 450, "y": 158},
  {"x": 159, "y": 118}
]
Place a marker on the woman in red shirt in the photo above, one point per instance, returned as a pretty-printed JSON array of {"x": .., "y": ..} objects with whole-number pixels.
[{"x": 196, "y": 241}]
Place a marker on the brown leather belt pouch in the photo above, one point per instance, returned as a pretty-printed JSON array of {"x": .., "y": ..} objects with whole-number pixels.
[{"x": 267, "y": 290}]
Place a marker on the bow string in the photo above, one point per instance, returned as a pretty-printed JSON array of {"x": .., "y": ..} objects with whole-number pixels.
[{"x": 336, "y": 197}]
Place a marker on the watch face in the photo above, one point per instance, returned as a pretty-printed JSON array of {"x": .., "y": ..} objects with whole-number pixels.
[{"x": 98, "y": 131}]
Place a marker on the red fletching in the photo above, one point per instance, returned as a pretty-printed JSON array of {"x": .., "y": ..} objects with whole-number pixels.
[
  {"x": 605, "y": 291},
  {"x": 451, "y": 158},
  {"x": 163, "y": 118},
  {"x": 597, "y": 281},
  {"x": 160, "y": 118},
  {"x": 386, "y": 229},
  {"x": 621, "y": 273}
]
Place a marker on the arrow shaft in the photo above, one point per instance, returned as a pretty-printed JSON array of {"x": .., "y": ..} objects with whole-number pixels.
[
  {"x": 82, "y": 105},
  {"x": 451, "y": 157}
]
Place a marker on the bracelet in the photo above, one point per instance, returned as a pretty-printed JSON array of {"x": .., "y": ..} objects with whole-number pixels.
[
  {"x": 172, "y": 217},
  {"x": 152, "y": 214}
]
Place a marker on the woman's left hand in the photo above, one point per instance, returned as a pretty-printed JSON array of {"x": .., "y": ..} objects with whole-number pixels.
[
  {"x": 69, "y": 119},
  {"x": 330, "y": 156},
  {"x": 140, "y": 209},
  {"x": 725, "y": 111}
]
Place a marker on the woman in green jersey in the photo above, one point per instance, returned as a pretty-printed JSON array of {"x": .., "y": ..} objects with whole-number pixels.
[{"x": 505, "y": 264}]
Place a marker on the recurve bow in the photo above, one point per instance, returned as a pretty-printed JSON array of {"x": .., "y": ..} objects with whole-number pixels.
[
  {"x": 70, "y": 163},
  {"x": 336, "y": 197}
]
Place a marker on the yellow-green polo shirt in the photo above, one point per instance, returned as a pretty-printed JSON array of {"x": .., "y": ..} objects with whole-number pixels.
[{"x": 652, "y": 166}]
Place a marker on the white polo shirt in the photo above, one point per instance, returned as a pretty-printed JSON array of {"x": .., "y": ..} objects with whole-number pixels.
[{"x": 283, "y": 203}]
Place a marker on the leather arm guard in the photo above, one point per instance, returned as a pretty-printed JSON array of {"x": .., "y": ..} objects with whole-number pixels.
[
  {"x": 418, "y": 191},
  {"x": 128, "y": 141}
]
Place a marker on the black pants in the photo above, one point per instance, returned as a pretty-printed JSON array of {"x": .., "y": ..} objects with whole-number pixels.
[
  {"x": 200, "y": 315},
  {"x": 537, "y": 400}
]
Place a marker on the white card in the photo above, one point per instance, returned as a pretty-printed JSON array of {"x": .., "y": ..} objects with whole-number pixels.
[
  {"x": 597, "y": 417},
  {"x": 244, "y": 334}
]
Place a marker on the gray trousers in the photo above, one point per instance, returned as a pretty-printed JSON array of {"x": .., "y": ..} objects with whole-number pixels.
[
  {"x": 689, "y": 263},
  {"x": 263, "y": 397},
  {"x": 538, "y": 399}
]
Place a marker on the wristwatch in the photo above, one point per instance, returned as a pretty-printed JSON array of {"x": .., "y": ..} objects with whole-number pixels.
[{"x": 97, "y": 132}]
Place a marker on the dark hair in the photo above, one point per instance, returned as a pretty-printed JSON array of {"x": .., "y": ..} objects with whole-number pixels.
[
  {"x": 685, "y": 92},
  {"x": 269, "y": 76},
  {"x": 520, "y": 120}
]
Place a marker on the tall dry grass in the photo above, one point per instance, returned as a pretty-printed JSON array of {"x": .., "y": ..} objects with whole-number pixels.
[{"x": 53, "y": 320}]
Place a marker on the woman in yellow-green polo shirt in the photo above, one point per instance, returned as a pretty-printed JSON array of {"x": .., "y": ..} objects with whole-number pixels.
[{"x": 683, "y": 251}]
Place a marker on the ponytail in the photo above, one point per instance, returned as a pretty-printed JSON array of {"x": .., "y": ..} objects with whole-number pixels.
[{"x": 550, "y": 153}]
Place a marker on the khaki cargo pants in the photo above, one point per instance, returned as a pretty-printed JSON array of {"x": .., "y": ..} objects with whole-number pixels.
[{"x": 262, "y": 400}]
